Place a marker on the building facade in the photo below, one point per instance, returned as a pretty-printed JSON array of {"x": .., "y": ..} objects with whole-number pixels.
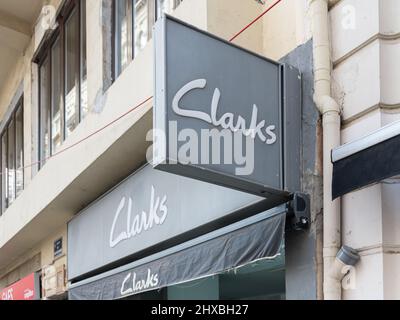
[{"x": 76, "y": 86}]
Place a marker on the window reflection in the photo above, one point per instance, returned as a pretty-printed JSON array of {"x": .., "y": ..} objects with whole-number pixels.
[
  {"x": 45, "y": 110},
  {"x": 141, "y": 24},
  {"x": 63, "y": 81},
  {"x": 19, "y": 152},
  {"x": 4, "y": 170},
  {"x": 122, "y": 34},
  {"x": 133, "y": 23},
  {"x": 56, "y": 110},
  {"x": 84, "y": 96},
  {"x": 71, "y": 77},
  {"x": 12, "y": 157},
  {"x": 11, "y": 163}
]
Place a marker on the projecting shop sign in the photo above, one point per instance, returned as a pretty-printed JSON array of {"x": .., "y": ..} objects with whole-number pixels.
[{"x": 223, "y": 114}]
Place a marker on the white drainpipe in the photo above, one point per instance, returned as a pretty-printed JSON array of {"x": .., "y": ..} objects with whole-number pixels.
[{"x": 330, "y": 111}]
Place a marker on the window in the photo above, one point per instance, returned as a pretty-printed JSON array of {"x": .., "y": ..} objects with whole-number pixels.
[
  {"x": 123, "y": 47},
  {"x": 45, "y": 109},
  {"x": 12, "y": 157},
  {"x": 63, "y": 80},
  {"x": 133, "y": 21},
  {"x": 19, "y": 151},
  {"x": 71, "y": 74},
  {"x": 56, "y": 96},
  {"x": 141, "y": 20}
]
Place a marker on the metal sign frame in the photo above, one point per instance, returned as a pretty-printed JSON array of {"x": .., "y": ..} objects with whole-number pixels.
[{"x": 289, "y": 109}]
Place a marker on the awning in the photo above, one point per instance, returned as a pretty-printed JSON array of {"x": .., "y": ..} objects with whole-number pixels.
[
  {"x": 258, "y": 237},
  {"x": 366, "y": 161}
]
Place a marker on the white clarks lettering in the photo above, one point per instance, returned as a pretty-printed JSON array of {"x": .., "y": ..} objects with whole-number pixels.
[
  {"x": 142, "y": 221},
  {"x": 132, "y": 285},
  {"x": 266, "y": 133}
]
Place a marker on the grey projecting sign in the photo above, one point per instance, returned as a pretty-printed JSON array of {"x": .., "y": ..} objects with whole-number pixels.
[{"x": 223, "y": 114}]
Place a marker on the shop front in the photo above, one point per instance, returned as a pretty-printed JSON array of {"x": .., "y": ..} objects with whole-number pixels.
[
  {"x": 27, "y": 288},
  {"x": 183, "y": 237},
  {"x": 207, "y": 218}
]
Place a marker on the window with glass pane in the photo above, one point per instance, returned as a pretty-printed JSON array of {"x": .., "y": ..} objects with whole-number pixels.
[
  {"x": 4, "y": 170},
  {"x": 123, "y": 20},
  {"x": 19, "y": 151},
  {"x": 45, "y": 102},
  {"x": 12, "y": 157},
  {"x": 56, "y": 96},
  {"x": 141, "y": 25},
  {"x": 63, "y": 84},
  {"x": 11, "y": 163},
  {"x": 84, "y": 97},
  {"x": 133, "y": 21},
  {"x": 71, "y": 73}
]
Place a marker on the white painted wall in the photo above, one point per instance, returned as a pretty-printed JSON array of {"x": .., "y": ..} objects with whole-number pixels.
[{"x": 366, "y": 51}]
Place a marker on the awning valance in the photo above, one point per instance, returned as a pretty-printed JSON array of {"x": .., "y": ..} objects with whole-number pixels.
[{"x": 258, "y": 237}]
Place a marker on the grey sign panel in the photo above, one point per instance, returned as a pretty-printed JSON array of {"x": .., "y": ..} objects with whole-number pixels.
[
  {"x": 210, "y": 86},
  {"x": 146, "y": 210}
]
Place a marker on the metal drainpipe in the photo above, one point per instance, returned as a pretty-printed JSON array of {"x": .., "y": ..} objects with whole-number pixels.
[{"x": 331, "y": 138}]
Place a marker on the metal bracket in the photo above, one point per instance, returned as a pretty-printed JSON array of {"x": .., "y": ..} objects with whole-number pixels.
[{"x": 298, "y": 212}]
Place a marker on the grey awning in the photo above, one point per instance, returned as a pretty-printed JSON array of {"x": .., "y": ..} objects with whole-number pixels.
[{"x": 258, "y": 237}]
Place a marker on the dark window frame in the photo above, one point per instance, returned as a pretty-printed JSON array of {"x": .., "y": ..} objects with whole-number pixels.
[
  {"x": 152, "y": 16},
  {"x": 19, "y": 106},
  {"x": 46, "y": 53},
  {"x": 129, "y": 7}
]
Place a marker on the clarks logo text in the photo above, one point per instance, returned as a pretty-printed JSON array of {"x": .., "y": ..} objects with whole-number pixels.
[
  {"x": 142, "y": 222},
  {"x": 266, "y": 133},
  {"x": 132, "y": 285}
]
